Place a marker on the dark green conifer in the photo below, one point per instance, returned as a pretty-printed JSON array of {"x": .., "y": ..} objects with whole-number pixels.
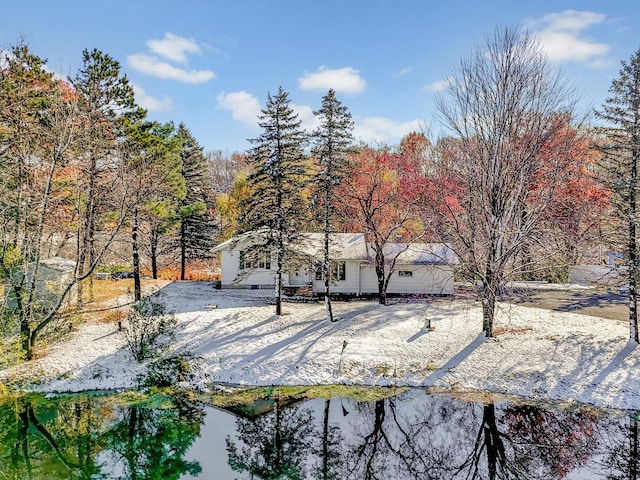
[{"x": 279, "y": 175}]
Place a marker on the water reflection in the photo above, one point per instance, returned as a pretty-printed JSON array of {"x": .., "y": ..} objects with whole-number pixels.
[
  {"x": 411, "y": 436},
  {"x": 420, "y": 436},
  {"x": 96, "y": 438}
]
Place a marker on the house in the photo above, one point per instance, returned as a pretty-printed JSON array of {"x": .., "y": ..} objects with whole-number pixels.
[{"x": 420, "y": 268}]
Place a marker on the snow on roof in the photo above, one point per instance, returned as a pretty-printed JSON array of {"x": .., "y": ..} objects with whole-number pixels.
[
  {"x": 342, "y": 246},
  {"x": 352, "y": 246},
  {"x": 420, "y": 253}
]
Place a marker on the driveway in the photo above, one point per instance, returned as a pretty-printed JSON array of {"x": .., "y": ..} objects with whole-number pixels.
[{"x": 585, "y": 301}]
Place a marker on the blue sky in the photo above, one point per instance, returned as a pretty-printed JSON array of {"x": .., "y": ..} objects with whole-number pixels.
[{"x": 210, "y": 64}]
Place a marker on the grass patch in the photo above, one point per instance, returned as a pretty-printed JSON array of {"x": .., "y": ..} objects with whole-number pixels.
[
  {"x": 245, "y": 395},
  {"x": 511, "y": 330}
]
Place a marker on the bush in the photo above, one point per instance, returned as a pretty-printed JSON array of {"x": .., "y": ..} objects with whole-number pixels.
[
  {"x": 169, "y": 371},
  {"x": 148, "y": 329}
]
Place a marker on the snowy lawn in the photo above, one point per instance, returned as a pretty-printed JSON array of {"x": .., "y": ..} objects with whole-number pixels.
[{"x": 236, "y": 338}]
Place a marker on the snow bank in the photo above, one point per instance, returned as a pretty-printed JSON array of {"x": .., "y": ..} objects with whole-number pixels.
[{"x": 236, "y": 338}]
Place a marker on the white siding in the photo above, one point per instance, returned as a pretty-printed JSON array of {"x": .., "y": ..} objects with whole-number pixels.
[
  {"x": 299, "y": 278},
  {"x": 350, "y": 285},
  {"x": 232, "y": 277},
  {"x": 425, "y": 280}
]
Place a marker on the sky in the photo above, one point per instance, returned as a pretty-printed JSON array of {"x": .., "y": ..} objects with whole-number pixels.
[{"x": 211, "y": 64}]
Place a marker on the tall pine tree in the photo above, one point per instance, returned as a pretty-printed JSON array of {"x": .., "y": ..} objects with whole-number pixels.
[
  {"x": 105, "y": 98},
  {"x": 622, "y": 155},
  {"x": 279, "y": 174},
  {"x": 331, "y": 145},
  {"x": 197, "y": 225}
]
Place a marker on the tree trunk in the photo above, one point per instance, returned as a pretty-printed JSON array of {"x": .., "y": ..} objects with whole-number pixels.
[
  {"x": 488, "y": 297},
  {"x": 137, "y": 289},
  {"x": 279, "y": 291},
  {"x": 382, "y": 287},
  {"x": 633, "y": 250},
  {"x": 325, "y": 440},
  {"x": 488, "y": 312},
  {"x": 633, "y": 447},
  {"x": 87, "y": 240},
  {"x": 326, "y": 271},
  {"x": 154, "y": 259},
  {"x": 183, "y": 251}
]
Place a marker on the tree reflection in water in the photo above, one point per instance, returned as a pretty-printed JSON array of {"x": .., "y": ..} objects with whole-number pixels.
[
  {"x": 417, "y": 436},
  {"x": 411, "y": 436},
  {"x": 94, "y": 438},
  {"x": 275, "y": 445}
]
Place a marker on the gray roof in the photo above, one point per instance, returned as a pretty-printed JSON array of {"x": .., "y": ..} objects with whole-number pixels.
[
  {"x": 419, "y": 253},
  {"x": 352, "y": 246}
]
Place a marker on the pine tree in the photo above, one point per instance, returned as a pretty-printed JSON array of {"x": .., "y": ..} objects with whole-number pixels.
[
  {"x": 151, "y": 154},
  {"x": 331, "y": 145},
  {"x": 622, "y": 155},
  {"x": 105, "y": 98},
  {"x": 197, "y": 225},
  {"x": 279, "y": 173}
]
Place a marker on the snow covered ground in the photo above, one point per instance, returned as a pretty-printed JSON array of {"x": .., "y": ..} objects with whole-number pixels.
[{"x": 236, "y": 338}]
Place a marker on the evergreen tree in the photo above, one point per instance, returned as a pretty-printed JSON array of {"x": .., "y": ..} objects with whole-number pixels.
[
  {"x": 105, "y": 98},
  {"x": 622, "y": 155},
  {"x": 197, "y": 225},
  {"x": 331, "y": 145},
  {"x": 279, "y": 173},
  {"x": 151, "y": 155}
]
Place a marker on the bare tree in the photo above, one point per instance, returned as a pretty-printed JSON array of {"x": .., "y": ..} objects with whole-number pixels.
[
  {"x": 41, "y": 122},
  {"x": 504, "y": 105}
]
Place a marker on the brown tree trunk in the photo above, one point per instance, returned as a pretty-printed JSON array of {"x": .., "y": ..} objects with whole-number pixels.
[
  {"x": 633, "y": 250},
  {"x": 183, "y": 251},
  {"x": 137, "y": 288}
]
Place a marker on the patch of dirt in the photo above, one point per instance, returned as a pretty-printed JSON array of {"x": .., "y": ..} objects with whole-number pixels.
[{"x": 110, "y": 296}]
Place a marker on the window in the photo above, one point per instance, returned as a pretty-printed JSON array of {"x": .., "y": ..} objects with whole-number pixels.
[
  {"x": 255, "y": 260},
  {"x": 338, "y": 271},
  {"x": 405, "y": 273}
]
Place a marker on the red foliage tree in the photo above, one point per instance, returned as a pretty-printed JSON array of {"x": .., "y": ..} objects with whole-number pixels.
[{"x": 381, "y": 197}]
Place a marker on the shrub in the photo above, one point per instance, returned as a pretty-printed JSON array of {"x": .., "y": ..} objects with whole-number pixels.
[
  {"x": 169, "y": 371},
  {"x": 148, "y": 330}
]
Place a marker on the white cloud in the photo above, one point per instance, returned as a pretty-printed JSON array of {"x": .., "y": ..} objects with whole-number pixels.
[
  {"x": 562, "y": 36},
  {"x": 306, "y": 116},
  {"x": 153, "y": 66},
  {"x": 342, "y": 80},
  {"x": 572, "y": 20},
  {"x": 380, "y": 129},
  {"x": 243, "y": 106},
  {"x": 174, "y": 47},
  {"x": 150, "y": 103},
  {"x": 403, "y": 72},
  {"x": 437, "y": 86}
]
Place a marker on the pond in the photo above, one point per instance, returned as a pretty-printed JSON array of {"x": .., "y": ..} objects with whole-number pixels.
[{"x": 414, "y": 434}]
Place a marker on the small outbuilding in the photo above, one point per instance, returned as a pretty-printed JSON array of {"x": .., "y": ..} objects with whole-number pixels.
[{"x": 52, "y": 278}]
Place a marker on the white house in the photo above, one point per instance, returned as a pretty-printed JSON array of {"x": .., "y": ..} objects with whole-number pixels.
[{"x": 420, "y": 268}]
